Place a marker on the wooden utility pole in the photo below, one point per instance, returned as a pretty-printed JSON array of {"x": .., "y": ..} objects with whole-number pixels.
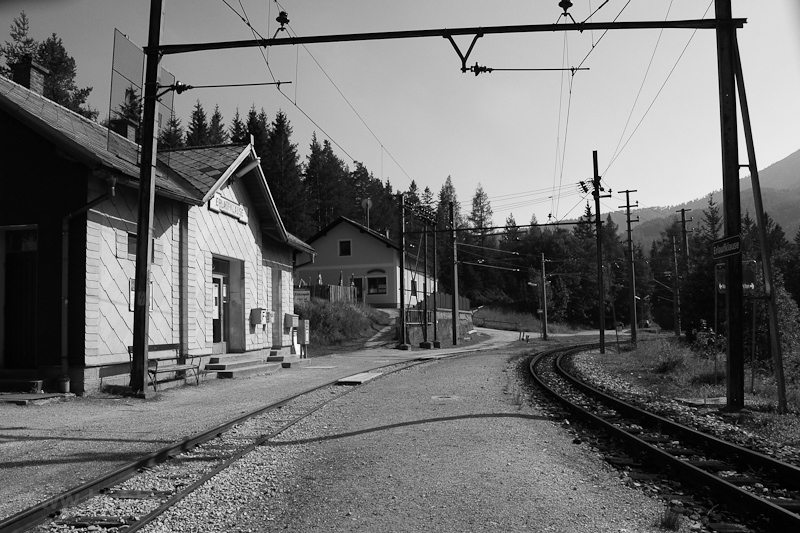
[
  {"x": 631, "y": 266},
  {"x": 684, "y": 238},
  {"x": 144, "y": 223},
  {"x": 676, "y": 289},
  {"x": 455, "y": 273},
  {"x": 544, "y": 301},
  {"x": 726, "y": 64},
  {"x": 598, "y": 229}
]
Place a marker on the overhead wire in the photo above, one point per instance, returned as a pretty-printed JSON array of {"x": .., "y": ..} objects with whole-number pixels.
[
  {"x": 669, "y": 75},
  {"x": 641, "y": 86},
  {"x": 258, "y": 35},
  {"x": 347, "y": 101}
]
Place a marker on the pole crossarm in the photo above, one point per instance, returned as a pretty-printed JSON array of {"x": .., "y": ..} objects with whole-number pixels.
[{"x": 708, "y": 24}]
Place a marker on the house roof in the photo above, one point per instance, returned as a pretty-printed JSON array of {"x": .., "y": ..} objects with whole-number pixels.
[
  {"x": 84, "y": 139},
  {"x": 360, "y": 227},
  {"x": 190, "y": 175}
]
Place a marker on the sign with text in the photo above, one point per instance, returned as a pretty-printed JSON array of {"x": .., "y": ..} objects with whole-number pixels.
[
  {"x": 725, "y": 247},
  {"x": 748, "y": 278},
  {"x": 220, "y": 204},
  {"x": 302, "y": 295}
]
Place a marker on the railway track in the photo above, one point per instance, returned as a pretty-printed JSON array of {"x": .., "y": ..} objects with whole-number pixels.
[
  {"x": 740, "y": 477},
  {"x": 135, "y": 495}
]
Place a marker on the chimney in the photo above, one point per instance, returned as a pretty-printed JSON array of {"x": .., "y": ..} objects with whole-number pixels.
[
  {"x": 30, "y": 74},
  {"x": 125, "y": 127}
]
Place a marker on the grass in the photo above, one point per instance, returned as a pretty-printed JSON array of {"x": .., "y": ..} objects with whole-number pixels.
[
  {"x": 514, "y": 321},
  {"x": 671, "y": 369},
  {"x": 338, "y": 323}
]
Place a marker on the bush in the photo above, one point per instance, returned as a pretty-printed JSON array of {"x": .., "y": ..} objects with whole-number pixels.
[{"x": 334, "y": 323}]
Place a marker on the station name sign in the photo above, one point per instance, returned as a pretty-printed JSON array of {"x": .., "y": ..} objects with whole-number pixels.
[
  {"x": 726, "y": 247},
  {"x": 220, "y": 204}
]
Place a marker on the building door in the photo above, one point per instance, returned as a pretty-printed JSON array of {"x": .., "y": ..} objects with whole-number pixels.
[
  {"x": 220, "y": 308},
  {"x": 19, "y": 308}
]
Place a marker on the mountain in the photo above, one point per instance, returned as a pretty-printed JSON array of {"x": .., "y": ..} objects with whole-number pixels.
[{"x": 780, "y": 194}]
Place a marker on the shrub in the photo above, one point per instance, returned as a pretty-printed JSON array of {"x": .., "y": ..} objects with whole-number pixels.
[{"x": 334, "y": 323}]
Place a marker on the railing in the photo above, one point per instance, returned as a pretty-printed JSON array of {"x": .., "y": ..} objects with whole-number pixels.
[
  {"x": 333, "y": 293},
  {"x": 444, "y": 302}
]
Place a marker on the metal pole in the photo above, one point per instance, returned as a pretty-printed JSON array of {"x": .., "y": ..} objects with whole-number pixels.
[
  {"x": 455, "y": 273},
  {"x": 772, "y": 307},
  {"x": 598, "y": 229},
  {"x": 732, "y": 202},
  {"x": 436, "y": 343},
  {"x": 544, "y": 301},
  {"x": 425, "y": 342},
  {"x": 144, "y": 225},
  {"x": 403, "y": 344}
]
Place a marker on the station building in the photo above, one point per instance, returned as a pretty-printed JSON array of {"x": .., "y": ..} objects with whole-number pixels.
[{"x": 222, "y": 261}]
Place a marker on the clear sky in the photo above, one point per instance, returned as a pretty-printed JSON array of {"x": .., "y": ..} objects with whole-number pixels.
[{"x": 648, "y": 103}]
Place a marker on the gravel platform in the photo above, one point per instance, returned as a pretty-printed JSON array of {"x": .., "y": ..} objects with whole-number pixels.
[{"x": 452, "y": 445}]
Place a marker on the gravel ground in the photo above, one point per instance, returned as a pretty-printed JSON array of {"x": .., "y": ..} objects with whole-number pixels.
[{"x": 454, "y": 445}]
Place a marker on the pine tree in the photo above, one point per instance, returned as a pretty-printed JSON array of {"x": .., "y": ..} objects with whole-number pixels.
[
  {"x": 21, "y": 45},
  {"x": 481, "y": 215},
  {"x": 171, "y": 136},
  {"x": 197, "y": 130},
  {"x": 216, "y": 131},
  {"x": 238, "y": 131},
  {"x": 281, "y": 166}
]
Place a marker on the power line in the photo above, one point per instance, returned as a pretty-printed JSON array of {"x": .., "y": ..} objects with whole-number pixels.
[{"x": 657, "y": 94}]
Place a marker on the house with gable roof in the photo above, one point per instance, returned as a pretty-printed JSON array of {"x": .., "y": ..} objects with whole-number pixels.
[
  {"x": 221, "y": 253},
  {"x": 347, "y": 252}
]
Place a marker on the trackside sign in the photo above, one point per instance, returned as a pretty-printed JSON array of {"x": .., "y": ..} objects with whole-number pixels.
[{"x": 726, "y": 247}]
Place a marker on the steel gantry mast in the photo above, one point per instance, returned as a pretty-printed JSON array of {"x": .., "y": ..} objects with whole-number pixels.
[{"x": 724, "y": 24}]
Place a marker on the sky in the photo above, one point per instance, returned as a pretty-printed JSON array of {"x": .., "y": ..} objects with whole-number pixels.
[{"x": 648, "y": 102}]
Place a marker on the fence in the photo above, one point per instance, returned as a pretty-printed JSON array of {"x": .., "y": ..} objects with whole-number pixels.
[
  {"x": 333, "y": 293},
  {"x": 444, "y": 302}
]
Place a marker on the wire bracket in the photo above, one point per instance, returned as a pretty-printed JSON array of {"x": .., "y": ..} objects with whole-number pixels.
[{"x": 464, "y": 57}]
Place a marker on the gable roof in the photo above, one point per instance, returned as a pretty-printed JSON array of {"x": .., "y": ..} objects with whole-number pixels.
[
  {"x": 190, "y": 175},
  {"x": 363, "y": 229}
]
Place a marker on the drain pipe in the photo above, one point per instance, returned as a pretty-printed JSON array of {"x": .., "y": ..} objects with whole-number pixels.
[{"x": 64, "y": 378}]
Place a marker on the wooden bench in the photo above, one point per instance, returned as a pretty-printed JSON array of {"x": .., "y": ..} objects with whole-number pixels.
[{"x": 167, "y": 364}]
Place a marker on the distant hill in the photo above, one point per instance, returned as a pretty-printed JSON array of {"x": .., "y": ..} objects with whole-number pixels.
[{"x": 780, "y": 193}]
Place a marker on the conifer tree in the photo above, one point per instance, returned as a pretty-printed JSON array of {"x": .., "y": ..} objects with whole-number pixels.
[
  {"x": 171, "y": 136},
  {"x": 197, "y": 130},
  {"x": 216, "y": 130},
  {"x": 238, "y": 131}
]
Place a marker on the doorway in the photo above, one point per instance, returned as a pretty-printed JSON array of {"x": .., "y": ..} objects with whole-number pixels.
[
  {"x": 19, "y": 299},
  {"x": 220, "y": 309}
]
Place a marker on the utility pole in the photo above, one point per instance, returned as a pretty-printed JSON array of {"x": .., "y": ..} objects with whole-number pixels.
[
  {"x": 402, "y": 345},
  {"x": 544, "y": 301},
  {"x": 676, "y": 290},
  {"x": 684, "y": 238},
  {"x": 726, "y": 64},
  {"x": 631, "y": 266},
  {"x": 455, "y": 273},
  {"x": 598, "y": 229},
  {"x": 144, "y": 223}
]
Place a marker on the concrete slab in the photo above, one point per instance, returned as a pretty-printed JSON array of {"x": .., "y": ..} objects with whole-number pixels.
[{"x": 358, "y": 379}]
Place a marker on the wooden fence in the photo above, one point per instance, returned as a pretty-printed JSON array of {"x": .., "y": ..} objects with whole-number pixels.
[{"x": 333, "y": 293}]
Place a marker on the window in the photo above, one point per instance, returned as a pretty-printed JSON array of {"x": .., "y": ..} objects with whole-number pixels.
[
  {"x": 345, "y": 249},
  {"x": 376, "y": 285},
  {"x": 132, "y": 248}
]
